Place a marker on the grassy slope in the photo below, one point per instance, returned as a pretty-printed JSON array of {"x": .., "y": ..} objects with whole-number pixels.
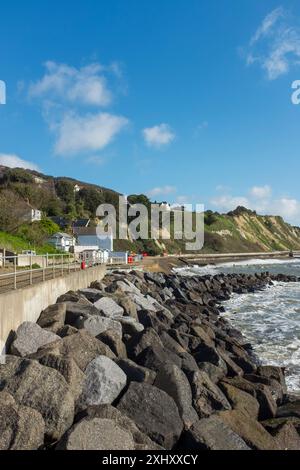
[{"x": 17, "y": 244}]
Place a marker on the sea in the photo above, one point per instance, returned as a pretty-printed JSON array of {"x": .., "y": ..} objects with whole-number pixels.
[{"x": 269, "y": 319}]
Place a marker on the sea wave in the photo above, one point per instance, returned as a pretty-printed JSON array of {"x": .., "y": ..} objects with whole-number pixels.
[
  {"x": 269, "y": 319},
  {"x": 238, "y": 266}
]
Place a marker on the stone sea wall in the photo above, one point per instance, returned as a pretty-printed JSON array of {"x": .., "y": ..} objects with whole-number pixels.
[{"x": 144, "y": 361}]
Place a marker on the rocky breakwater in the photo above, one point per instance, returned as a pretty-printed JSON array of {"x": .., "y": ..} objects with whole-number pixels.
[{"x": 144, "y": 361}]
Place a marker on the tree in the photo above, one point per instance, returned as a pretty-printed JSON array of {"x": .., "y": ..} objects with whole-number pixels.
[
  {"x": 12, "y": 209},
  {"x": 65, "y": 191},
  {"x": 209, "y": 218},
  {"x": 36, "y": 233},
  {"x": 91, "y": 198},
  {"x": 17, "y": 175}
]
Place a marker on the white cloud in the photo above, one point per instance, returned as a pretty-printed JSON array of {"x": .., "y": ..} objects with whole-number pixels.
[
  {"x": 228, "y": 202},
  {"x": 62, "y": 91},
  {"x": 164, "y": 190},
  {"x": 260, "y": 199},
  {"x": 275, "y": 45},
  {"x": 13, "y": 161},
  {"x": 86, "y": 85},
  {"x": 267, "y": 24},
  {"x": 92, "y": 132},
  {"x": 261, "y": 192},
  {"x": 159, "y": 135},
  {"x": 289, "y": 209}
]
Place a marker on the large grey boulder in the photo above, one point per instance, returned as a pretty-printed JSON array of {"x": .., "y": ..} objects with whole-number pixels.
[
  {"x": 215, "y": 373},
  {"x": 127, "y": 286},
  {"x": 241, "y": 400},
  {"x": 109, "y": 308},
  {"x": 41, "y": 388},
  {"x": 130, "y": 326},
  {"x": 82, "y": 347},
  {"x": 274, "y": 424},
  {"x": 154, "y": 412},
  {"x": 68, "y": 369},
  {"x": 114, "y": 342},
  {"x": 154, "y": 357},
  {"x": 96, "y": 325},
  {"x": 212, "y": 434},
  {"x": 144, "y": 303},
  {"x": 97, "y": 434},
  {"x": 79, "y": 310},
  {"x": 67, "y": 330},
  {"x": 128, "y": 305},
  {"x": 141, "y": 440},
  {"x": 289, "y": 409},
  {"x": 21, "y": 427},
  {"x": 53, "y": 318},
  {"x": 207, "y": 397},
  {"x": 263, "y": 394},
  {"x": 171, "y": 344},
  {"x": 91, "y": 294},
  {"x": 69, "y": 296},
  {"x": 274, "y": 387},
  {"x": 173, "y": 381},
  {"x": 143, "y": 340},
  {"x": 287, "y": 437},
  {"x": 273, "y": 373},
  {"x": 29, "y": 338},
  {"x": 103, "y": 383},
  {"x": 136, "y": 373},
  {"x": 250, "y": 430}
]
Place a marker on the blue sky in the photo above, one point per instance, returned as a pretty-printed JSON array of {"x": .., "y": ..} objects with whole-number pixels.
[{"x": 185, "y": 100}]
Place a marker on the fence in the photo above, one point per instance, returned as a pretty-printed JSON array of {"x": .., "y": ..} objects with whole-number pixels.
[
  {"x": 24, "y": 270},
  {"x": 20, "y": 271}
]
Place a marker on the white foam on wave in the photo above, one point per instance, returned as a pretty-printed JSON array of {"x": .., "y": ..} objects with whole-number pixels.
[
  {"x": 212, "y": 269},
  {"x": 270, "y": 320}
]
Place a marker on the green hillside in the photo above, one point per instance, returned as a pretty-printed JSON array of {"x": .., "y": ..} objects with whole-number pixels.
[{"x": 239, "y": 231}]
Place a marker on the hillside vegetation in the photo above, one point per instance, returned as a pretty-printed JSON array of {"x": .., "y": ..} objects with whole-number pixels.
[{"x": 241, "y": 230}]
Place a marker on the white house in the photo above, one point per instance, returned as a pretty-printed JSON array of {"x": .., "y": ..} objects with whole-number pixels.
[
  {"x": 32, "y": 215},
  {"x": 166, "y": 207},
  {"x": 87, "y": 236},
  {"x": 62, "y": 241},
  {"x": 39, "y": 180}
]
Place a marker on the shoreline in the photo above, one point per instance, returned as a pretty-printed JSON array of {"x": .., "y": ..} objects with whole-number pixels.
[
  {"x": 149, "y": 357},
  {"x": 166, "y": 264}
]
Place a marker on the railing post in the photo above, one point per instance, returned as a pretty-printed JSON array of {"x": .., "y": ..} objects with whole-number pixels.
[
  {"x": 53, "y": 266},
  {"x": 69, "y": 262},
  {"x": 62, "y": 265},
  {"x": 15, "y": 273},
  {"x": 44, "y": 268},
  {"x": 31, "y": 270}
]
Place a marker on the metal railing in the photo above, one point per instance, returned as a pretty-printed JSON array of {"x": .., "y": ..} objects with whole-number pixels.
[
  {"x": 117, "y": 260},
  {"x": 24, "y": 270}
]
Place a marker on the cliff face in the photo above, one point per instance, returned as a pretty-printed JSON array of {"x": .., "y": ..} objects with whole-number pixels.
[
  {"x": 241, "y": 230},
  {"x": 246, "y": 231}
]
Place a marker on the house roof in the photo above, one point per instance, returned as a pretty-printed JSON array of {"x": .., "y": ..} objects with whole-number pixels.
[
  {"x": 59, "y": 220},
  {"x": 81, "y": 223},
  {"x": 88, "y": 231},
  {"x": 61, "y": 235}
]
